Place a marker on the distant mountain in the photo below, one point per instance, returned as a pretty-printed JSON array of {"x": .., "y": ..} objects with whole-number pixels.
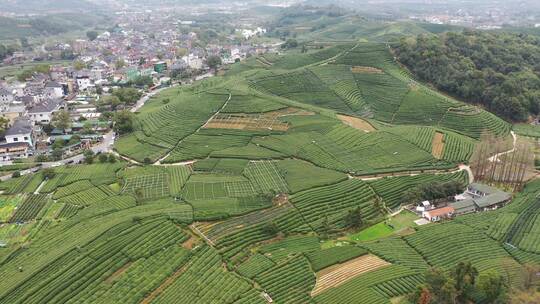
[
  {"x": 50, "y": 24},
  {"x": 46, "y": 6}
]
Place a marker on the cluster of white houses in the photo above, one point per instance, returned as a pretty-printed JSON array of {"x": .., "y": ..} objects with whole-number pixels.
[
  {"x": 25, "y": 114},
  {"x": 477, "y": 197}
]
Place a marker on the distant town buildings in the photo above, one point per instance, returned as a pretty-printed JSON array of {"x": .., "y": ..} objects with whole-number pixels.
[{"x": 136, "y": 53}]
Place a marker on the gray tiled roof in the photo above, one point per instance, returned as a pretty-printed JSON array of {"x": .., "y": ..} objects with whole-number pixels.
[
  {"x": 492, "y": 199},
  {"x": 483, "y": 188},
  {"x": 20, "y": 126},
  {"x": 45, "y": 106},
  {"x": 53, "y": 84},
  {"x": 5, "y": 92},
  {"x": 464, "y": 206}
]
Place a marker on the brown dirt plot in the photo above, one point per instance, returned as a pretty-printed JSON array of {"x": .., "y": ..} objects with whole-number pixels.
[
  {"x": 356, "y": 123},
  {"x": 366, "y": 69},
  {"x": 437, "y": 145},
  {"x": 338, "y": 274}
]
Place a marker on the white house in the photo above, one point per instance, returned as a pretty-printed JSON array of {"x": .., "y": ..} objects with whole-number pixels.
[
  {"x": 83, "y": 82},
  {"x": 54, "y": 90},
  {"x": 193, "y": 61},
  {"x": 21, "y": 131},
  {"x": 41, "y": 113}
]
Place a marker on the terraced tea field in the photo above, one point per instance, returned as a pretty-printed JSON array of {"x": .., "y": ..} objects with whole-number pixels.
[{"x": 257, "y": 178}]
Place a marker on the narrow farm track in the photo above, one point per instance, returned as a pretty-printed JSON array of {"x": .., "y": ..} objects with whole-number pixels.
[
  {"x": 199, "y": 233},
  {"x": 158, "y": 162},
  {"x": 461, "y": 167},
  {"x": 496, "y": 156}
]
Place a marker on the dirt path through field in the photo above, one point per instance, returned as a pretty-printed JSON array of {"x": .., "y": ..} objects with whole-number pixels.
[
  {"x": 156, "y": 292},
  {"x": 437, "y": 145},
  {"x": 117, "y": 273},
  {"x": 496, "y": 156},
  {"x": 356, "y": 123},
  {"x": 338, "y": 274}
]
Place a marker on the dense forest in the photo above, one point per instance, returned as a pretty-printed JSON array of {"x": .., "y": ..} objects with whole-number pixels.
[{"x": 498, "y": 70}]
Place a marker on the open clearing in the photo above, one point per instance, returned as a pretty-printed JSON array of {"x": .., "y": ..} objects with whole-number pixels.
[
  {"x": 397, "y": 224},
  {"x": 365, "y": 69},
  {"x": 246, "y": 122},
  {"x": 356, "y": 123},
  {"x": 338, "y": 274},
  {"x": 437, "y": 146}
]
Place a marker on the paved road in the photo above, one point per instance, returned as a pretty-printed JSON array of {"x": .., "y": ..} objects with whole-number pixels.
[{"x": 145, "y": 97}]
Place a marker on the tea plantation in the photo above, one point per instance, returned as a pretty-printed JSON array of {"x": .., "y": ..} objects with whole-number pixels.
[{"x": 237, "y": 189}]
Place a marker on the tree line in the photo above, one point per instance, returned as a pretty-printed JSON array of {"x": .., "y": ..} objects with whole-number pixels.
[
  {"x": 464, "y": 284},
  {"x": 500, "y": 71}
]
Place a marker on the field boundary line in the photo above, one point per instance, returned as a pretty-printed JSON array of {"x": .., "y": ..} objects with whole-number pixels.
[
  {"x": 199, "y": 233},
  {"x": 158, "y": 162}
]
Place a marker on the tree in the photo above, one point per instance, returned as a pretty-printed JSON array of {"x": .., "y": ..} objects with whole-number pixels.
[
  {"x": 3, "y": 125},
  {"x": 48, "y": 173},
  {"x": 147, "y": 161},
  {"x": 67, "y": 55},
  {"x": 213, "y": 62},
  {"x": 88, "y": 128},
  {"x": 464, "y": 275},
  {"x": 41, "y": 158},
  {"x": 127, "y": 95},
  {"x": 16, "y": 174},
  {"x": 112, "y": 158},
  {"x": 270, "y": 229},
  {"x": 110, "y": 100},
  {"x": 290, "y": 44},
  {"x": 143, "y": 81},
  {"x": 353, "y": 219},
  {"x": 92, "y": 35},
  {"x": 5, "y": 51},
  {"x": 61, "y": 120},
  {"x": 57, "y": 154},
  {"x": 88, "y": 156},
  {"x": 493, "y": 288},
  {"x": 123, "y": 122},
  {"x": 103, "y": 158}
]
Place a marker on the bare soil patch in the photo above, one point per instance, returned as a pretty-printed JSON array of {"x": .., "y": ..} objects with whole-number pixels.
[
  {"x": 356, "y": 123},
  {"x": 190, "y": 243},
  {"x": 437, "y": 145},
  {"x": 338, "y": 274},
  {"x": 365, "y": 69},
  {"x": 280, "y": 199},
  {"x": 117, "y": 273},
  {"x": 254, "y": 122},
  {"x": 246, "y": 122}
]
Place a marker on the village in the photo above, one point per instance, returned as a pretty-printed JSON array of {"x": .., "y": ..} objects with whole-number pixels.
[{"x": 53, "y": 111}]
